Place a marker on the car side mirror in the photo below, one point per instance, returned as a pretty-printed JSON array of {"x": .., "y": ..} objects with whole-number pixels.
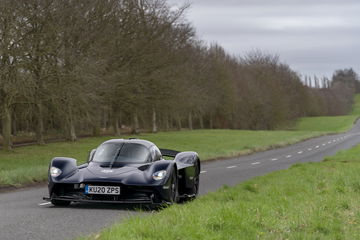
[{"x": 91, "y": 155}]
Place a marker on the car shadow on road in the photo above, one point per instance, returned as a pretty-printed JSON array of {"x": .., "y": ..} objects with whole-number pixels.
[{"x": 109, "y": 206}]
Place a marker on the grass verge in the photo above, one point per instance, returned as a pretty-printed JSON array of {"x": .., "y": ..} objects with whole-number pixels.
[{"x": 307, "y": 201}]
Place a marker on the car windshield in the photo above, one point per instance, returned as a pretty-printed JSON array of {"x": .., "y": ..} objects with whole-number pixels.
[{"x": 121, "y": 153}]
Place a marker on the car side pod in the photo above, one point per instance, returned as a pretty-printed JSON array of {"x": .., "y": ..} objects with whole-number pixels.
[
  {"x": 188, "y": 158},
  {"x": 189, "y": 165}
]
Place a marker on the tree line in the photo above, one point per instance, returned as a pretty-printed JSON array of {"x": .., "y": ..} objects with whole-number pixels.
[{"x": 81, "y": 66}]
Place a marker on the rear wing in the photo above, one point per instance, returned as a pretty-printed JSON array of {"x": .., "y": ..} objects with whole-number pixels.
[{"x": 168, "y": 152}]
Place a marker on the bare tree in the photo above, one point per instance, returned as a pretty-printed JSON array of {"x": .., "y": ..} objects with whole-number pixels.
[{"x": 12, "y": 77}]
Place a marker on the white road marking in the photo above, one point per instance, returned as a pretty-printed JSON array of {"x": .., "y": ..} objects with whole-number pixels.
[
  {"x": 45, "y": 203},
  {"x": 274, "y": 159},
  {"x": 324, "y": 144},
  {"x": 255, "y": 163},
  {"x": 329, "y": 142},
  {"x": 300, "y": 152},
  {"x": 288, "y": 156},
  {"x": 231, "y": 167},
  {"x": 203, "y": 171},
  {"x": 309, "y": 149}
]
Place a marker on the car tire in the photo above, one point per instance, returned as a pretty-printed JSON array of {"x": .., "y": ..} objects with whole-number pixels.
[
  {"x": 174, "y": 194},
  {"x": 195, "y": 189}
]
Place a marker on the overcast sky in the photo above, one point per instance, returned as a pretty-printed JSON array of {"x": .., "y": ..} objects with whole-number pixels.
[{"x": 312, "y": 36}]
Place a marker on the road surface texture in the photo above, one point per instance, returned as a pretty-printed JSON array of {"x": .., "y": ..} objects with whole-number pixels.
[{"x": 23, "y": 214}]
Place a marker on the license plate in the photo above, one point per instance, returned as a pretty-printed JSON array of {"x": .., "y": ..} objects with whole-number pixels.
[{"x": 104, "y": 190}]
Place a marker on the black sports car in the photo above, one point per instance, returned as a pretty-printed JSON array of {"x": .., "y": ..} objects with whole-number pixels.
[{"x": 125, "y": 171}]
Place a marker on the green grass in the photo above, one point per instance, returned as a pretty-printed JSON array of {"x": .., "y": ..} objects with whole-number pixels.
[
  {"x": 307, "y": 201},
  {"x": 326, "y": 124}
]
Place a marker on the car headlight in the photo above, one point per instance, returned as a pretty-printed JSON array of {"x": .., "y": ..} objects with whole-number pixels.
[
  {"x": 55, "y": 172},
  {"x": 159, "y": 175}
]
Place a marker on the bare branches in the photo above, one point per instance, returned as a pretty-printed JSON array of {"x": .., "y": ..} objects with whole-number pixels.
[{"x": 85, "y": 66}]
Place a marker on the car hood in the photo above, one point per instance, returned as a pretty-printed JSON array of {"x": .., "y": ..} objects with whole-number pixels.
[{"x": 105, "y": 172}]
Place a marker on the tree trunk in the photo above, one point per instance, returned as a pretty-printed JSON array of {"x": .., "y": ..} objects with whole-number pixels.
[
  {"x": 178, "y": 122},
  {"x": 211, "y": 125},
  {"x": 40, "y": 125},
  {"x": 70, "y": 128},
  {"x": 201, "y": 121},
  {"x": 233, "y": 122},
  {"x": 6, "y": 129},
  {"x": 190, "y": 121},
  {"x": 93, "y": 120},
  {"x": 95, "y": 130},
  {"x": 14, "y": 126},
  {"x": 27, "y": 126},
  {"x": 167, "y": 124},
  {"x": 104, "y": 119},
  {"x": 72, "y": 131},
  {"x": 116, "y": 125},
  {"x": 154, "y": 124},
  {"x": 136, "y": 123}
]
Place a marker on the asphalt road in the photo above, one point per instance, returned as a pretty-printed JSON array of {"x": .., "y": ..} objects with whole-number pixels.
[{"x": 23, "y": 215}]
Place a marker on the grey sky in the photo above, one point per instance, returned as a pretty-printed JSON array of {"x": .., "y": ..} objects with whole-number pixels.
[{"x": 313, "y": 37}]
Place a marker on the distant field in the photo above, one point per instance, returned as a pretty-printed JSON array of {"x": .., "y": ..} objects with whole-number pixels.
[
  {"x": 326, "y": 124},
  {"x": 307, "y": 201},
  {"x": 330, "y": 124}
]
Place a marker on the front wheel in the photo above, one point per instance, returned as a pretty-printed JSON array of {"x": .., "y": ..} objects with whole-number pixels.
[
  {"x": 194, "y": 190},
  {"x": 196, "y": 180},
  {"x": 174, "y": 194}
]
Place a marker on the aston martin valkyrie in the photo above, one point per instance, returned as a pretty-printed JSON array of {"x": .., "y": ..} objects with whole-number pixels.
[{"x": 125, "y": 171}]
